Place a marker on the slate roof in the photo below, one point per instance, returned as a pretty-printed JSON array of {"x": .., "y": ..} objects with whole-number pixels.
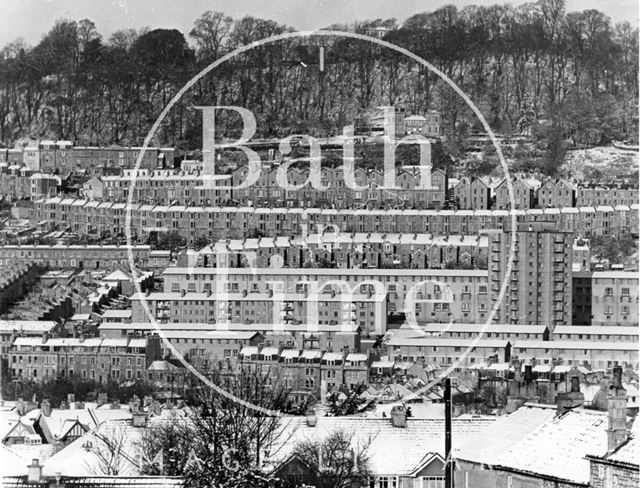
[
  {"x": 60, "y": 421},
  {"x": 27, "y": 326},
  {"x": 488, "y": 445},
  {"x": 557, "y": 448},
  {"x": 628, "y": 454},
  {"x": 99, "y": 482},
  {"x": 12, "y": 464},
  {"x": 77, "y": 459},
  {"x": 392, "y": 450}
]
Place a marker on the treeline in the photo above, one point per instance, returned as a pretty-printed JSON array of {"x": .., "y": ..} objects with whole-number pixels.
[{"x": 529, "y": 68}]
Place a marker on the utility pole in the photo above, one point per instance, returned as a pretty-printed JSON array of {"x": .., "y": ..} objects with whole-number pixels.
[{"x": 448, "y": 466}]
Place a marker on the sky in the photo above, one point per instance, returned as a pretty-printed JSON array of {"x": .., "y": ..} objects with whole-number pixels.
[{"x": 31, "y": 19}]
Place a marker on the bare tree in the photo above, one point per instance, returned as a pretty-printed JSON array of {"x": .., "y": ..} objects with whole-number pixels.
[
  {"x": 108, "y": 445},
  {"x": 337, "y": 461},
  {"x": 222, "y": 439}
]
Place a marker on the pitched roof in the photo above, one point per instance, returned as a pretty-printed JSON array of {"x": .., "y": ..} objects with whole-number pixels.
[
  {"x": 557, "y": 448},
  {"x": 79, "y": 458},
  {"x": 488, "y": 445},
  {"x": 392, "y": 450},
  {"x": 627, "y": 454},
  {"x": 12, "y": 463}
]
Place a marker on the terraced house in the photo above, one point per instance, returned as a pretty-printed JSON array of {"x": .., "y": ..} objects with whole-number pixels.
[{"x": 99, "y": 359}]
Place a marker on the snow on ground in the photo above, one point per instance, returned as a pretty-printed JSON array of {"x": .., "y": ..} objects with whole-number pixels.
[{"x": 609, "y": 161}]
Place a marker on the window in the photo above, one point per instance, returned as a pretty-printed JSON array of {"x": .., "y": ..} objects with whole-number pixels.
[
  {"x": 387, "y": 482},
  {"x": 432, "y": 482}
]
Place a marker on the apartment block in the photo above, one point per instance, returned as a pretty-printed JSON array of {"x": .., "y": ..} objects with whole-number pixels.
[
  {"x": 327, "y": 337},
  {"x": 594, "y": 355},
  {"x": 448, "y": 352},
  {"x": 539, "y": 287},
  {"x": 605, "y": 298},
  {"x": 367, "y": 311},
  {"x": 433, "y": 295}
]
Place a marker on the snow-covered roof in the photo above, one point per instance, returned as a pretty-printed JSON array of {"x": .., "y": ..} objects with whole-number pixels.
[
  {"x": 488, "y": 445},
  {"x": 558, "y": 447},
  {"x": 116, "y": 314},
  {"x": 393, "y": 451},
  {"x": 35, "y": 326},
  {"x": 249, "y": 350},
  {"x": 311, "y": 354},
  {"x": 332, "y": 356},
  {"x": 356, "y": 358},
  {"x": 290, "y": 353},
  {"x": 269, "y": 351},
  {"x": 629, "y": 453},
  {"x": 382, "y": 364}
]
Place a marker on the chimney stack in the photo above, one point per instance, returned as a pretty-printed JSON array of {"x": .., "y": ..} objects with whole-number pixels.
[
  {"x": 528, "y": 373},
  {"x": 20, "y": 407},
  {"x": 156, "y": 408},
  {"x": 134, "y": 404},
  {"x": 617, "y": 432},
  {"x": 399, "y": 416},
  {"x": 102, "y": 399},
  {"x": 312, "y": 418},
  {"x": 139, "y": 418},
  {"x": 45, "y": 406},
  {"x": 34, "y": 472},
  {"x": 147, "y": 401},
  {"x": 572, "y": 399}
]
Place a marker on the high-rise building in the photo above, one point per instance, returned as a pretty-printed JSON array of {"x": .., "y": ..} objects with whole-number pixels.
[{"x": 539, "y": 287}]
